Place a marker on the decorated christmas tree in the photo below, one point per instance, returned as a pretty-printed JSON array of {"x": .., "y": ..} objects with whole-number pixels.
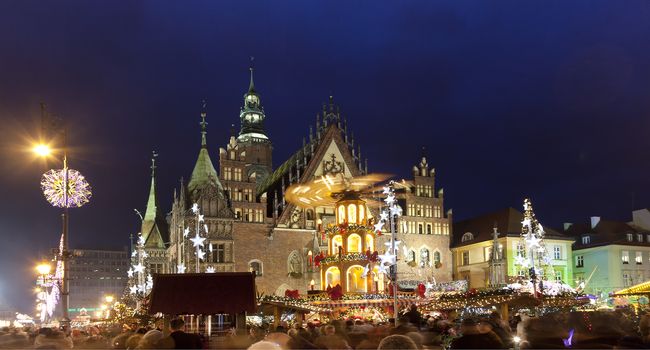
[{"x": 532, "y": 256}]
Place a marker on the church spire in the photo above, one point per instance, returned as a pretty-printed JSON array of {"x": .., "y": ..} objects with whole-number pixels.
[
  {"x": 251, "y": 86},
  {"x": 204, "y": 124},
  {"x": 152, "y": 202},
  {"x": 154, "y": 230},
  {"x": 204, "y": 172}
]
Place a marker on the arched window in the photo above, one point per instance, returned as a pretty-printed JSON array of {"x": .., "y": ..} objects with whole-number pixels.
[
  {"x": 341, "y": 217},
  {"x": 310, "y": 214},
  {"x": 352, "y": 213},
  {"x": 255, "y": 266},
  {"x": 468, "y": 236},
  {"x": 362, "y": 213},
  {"x": 370, "y": 242},
  {"x": 356, "y": 282},
  {"x": 337, "y": 241},
  {"x": 425, "y": 260},
  {"x": 354, "y": 243},
  {"x": 411, "y": 256},
  {"x": 436, "y": 257},
  {"x": 332, "y": 277}
]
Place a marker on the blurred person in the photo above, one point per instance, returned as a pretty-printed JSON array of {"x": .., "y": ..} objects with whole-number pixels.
[
  {"x": 472, "y": 338},
  {"x": 52, "y": 339},
  {"x": 133, "y": 341},
  {"x": 265, "y": 345},
  {"x": 397, "y": 341},
  {"x": 181, "y": 339}
]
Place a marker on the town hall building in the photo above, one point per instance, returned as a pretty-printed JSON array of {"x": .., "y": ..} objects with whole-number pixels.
[{"x": 251, "y": 227}]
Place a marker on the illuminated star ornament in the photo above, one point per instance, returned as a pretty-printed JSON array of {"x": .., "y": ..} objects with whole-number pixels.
[
  {"x": 133, "y": 289},
  {"x": 76, "y": 194},
  {"x": 197, "y": 240},
  {"x": 138, "y": 268},
  {"x": 180, "y": 268},
  {"x": 186, "y": 232}
]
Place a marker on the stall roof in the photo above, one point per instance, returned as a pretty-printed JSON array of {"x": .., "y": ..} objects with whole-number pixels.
[
  {"x": 203, "y": 293},
  {"x": 638, "y": 289}
]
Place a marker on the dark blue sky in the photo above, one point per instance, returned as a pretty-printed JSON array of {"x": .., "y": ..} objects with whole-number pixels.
[{"x": 547, "y": 99}]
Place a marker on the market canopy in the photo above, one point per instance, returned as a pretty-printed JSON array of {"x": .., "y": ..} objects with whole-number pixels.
[
  {"x": 637, "y": 289},
  {"x": 203, "y": 293}
]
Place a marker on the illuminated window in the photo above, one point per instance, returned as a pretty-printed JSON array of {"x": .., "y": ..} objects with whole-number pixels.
[
  {"x": 557, "y": 252},
  {"x": 468, "y": 236},
  {"x": 437, "y": 257},
  {"x": 354, "y": 243},
  {"x": 356, "y": 281},
  {"x": 337, "y": 241},
  {"x": 639, "y": 237},
  {"x": 341, "y": 214},
  {"x": 586, "y": 240},
  {"x": 638, "y": 258},
  {"x": 362, "y": 213},
  {"x": 625, "y": 257},
  {"x": 465, "y": 256},
  {"x": 332, "y": 276},
  {"x": 370, "y": 242},
  {"x": 352, "y": 213},
  {"x": 630, "y": 237}
]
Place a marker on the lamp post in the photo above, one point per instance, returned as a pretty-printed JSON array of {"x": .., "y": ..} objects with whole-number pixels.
[
  {"x": 63, "y": 188},
  {"x": 43, "y": 270}
]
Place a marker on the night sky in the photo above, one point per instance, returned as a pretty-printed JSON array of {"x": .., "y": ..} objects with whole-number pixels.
[{"x": 547, "y": 99}]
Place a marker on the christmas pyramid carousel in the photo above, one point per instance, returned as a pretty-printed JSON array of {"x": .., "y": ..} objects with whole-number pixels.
[{"x": 357, "y": 274}]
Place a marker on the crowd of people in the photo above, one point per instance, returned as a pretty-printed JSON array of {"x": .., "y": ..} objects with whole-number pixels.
[{"x": 622, "y": 329}]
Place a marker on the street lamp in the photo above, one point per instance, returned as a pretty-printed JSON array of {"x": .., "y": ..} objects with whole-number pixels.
[
  {"x": 109, "y": 299},
  {"x": 64, "y": 188},
  {"x": 43, "y": 269}
]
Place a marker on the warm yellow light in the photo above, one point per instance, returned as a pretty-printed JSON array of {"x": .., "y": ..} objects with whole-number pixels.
[
  {"x": 104, "y": 307},
  {"x": 312, "y": 282},
  {"x": 98, "y": 314},
  {"x": 43, "y": 269},
  {"x": 42, "y": 150},
  {"x": 109, "y": 298}
]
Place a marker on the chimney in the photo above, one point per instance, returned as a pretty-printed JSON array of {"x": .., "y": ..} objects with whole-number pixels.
[
  {"x": 594, "y": 221},
  {"x": 567, "y": 225}
]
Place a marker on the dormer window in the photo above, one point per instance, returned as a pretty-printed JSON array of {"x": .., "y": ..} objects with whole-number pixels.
[
  {"x": 586, "y": 240},
  {"x": 630, "y": 237},
  {"x": 468, "y": 236}
]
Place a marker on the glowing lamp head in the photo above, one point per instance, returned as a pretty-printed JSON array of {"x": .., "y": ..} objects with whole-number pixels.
[
  {"x": 312, "y": 282},
  {"x": 516, "y": 339},
  {"x": 109, "y": 298},
  {"x": 42, "y": 150},
  {"x": 43, "y": 269},
  {"x": 103, "y": 307}
]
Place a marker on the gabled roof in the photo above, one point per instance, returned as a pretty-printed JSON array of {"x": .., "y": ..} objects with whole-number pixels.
[
  {"x": 508, "y": 222},
  {"x": 604, "y": 233}
]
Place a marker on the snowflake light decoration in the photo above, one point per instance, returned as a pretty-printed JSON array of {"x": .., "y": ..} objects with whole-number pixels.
[{"x": 78, "y": 190}]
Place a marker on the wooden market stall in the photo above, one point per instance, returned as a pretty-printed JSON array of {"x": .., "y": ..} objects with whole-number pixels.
[{"x": 210, "y": 303}]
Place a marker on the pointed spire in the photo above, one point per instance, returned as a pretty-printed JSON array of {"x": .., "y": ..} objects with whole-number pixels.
[
  {"x": 204, "y": 124},
  {"x": 251, "y": 86},
  {"x": 152, "y": 202}
]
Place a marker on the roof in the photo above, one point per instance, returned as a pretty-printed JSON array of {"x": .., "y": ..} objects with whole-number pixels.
[
  {"x": 605, "y": 232},
  {"x": 508, "y": 222},
  {"x": 204, "y": 173},
  {"x": 203, "y": 293},
  {"x": 637, "y": 289},
  {"x": 154, "y": 227}
]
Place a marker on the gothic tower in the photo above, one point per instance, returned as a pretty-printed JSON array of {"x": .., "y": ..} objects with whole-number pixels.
[{"x": 252, "y": 139}]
